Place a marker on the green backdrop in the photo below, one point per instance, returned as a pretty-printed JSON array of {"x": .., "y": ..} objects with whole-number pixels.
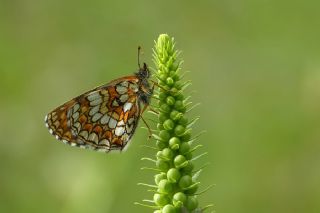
[{"x": 255, "y": 70}]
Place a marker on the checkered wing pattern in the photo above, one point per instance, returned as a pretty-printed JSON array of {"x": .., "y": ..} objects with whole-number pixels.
[{"x": 103, "y": 119}]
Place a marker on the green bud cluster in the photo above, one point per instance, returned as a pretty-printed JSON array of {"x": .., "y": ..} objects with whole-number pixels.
[{"x": 175, "y": 186}]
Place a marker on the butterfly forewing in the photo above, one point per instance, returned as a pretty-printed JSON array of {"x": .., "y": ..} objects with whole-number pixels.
[{"x": 102, "y": 119}]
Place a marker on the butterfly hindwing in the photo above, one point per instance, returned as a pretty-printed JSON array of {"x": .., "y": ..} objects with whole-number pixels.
[{"x": 102, "y": 119}]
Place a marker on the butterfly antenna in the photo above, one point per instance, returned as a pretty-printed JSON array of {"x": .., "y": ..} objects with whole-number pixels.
[{"x": 139, "y": 50}]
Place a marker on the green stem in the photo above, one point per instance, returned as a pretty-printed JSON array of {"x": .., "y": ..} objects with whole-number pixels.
[{"x": 176, "y": 188}]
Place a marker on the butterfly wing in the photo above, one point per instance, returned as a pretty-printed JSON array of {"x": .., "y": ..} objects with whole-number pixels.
[{"x": 102, "y": 119}]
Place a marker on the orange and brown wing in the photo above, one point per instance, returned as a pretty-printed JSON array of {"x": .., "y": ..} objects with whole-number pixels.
[{"x": 102, "y": 119}]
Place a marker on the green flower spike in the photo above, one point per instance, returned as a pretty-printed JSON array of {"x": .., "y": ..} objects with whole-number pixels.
[{"x": 176, "y": 183}]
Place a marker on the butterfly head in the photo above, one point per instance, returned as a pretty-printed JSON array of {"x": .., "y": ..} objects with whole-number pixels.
[
  {"x": 143, "y": 73},
  {"x": 145, "y": 90}
]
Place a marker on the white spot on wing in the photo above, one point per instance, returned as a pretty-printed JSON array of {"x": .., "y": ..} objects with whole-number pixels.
[
  {"x": 105, "y": 142},
  {"x": 134, "y": 87},
  {"x": 115, "y": 103},
  {"x": 105, "y": 119},
  {"x": 115, "y": 115},
  {"x": 77, "y": 126},
  {"x": 96, "y": 117},
  {"x": 94, "y": 110},
  {"x": 119, "y": 131},
  {"x": 84, "y": 134},
  {"x": 93, "y": 137},
  {"x": 96, "y": 102},
  {"x": 93, "y": 96},
  {"x": 129, "y": 128},
  {"x": 112, "y": 123},
  {"x": 123, "y": 98},
  {"x": 75, "y": 116},
  {"x": 120, "y": 123},
  {"x": 130, "y": 121},
  {"x": 69, "y": 113},
  {"x": 76, "y": 107},
  {"x": 54, "y": 117},
  {"x": 127, "y": 106},
  {"x": 124, "y": 83},
  {"x": 121, "y": 89}
]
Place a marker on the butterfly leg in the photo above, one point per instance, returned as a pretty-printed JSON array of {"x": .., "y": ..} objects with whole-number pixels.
[
  {"x": 156, "y": 84},
  {"x": 153, "y": 110},
  {"x": 148, "y": 127},
  {"x": 144, "y": 121}
]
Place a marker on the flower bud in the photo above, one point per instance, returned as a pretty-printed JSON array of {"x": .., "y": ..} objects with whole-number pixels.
[
  {"x": 163, "y": 76},
  {"x": 184, "y": 147},
  {"x": 159, "y": 177},
  {"x": 165, "y": 186},
  {"x": 188, "y": 155},
  {"x": 175, "y": 77},
  {"x": 175, "y": 115},
  {"x": 193, "y": 189},
  {"x": 179, "y": 199},
  {"x": 188, "y": 169},
  {"x": 165, "y": 107},
  {"x": 178, "y": 105},
  {"x": 172, "y": 73},
  {"x": 180, "y": 161},
  {"x": 162, "y": 96},
  {"x": 169, "y": 209},
  {"x": 186, "y": 136},
  {"x": 183, "y": 109},
  {"x": 185, "y": 181},
  {"x": 162, "y": 164},
  {"x": 164, "y": 135},
  {"x": 169, "y": 81},
  {"x": 173, "y": 175},
  {"x": 192, "y": 203},
  {"x": 179, "y": 97},
  {"x": 174, "y": 90},
  {"x": 170, "y": 100},
  {"x": 168, "y": 124},
  {"x": 163, "y": 117},
  {"x": 161, "y": 199},
  {"x": 179, "y": 130},
  {"x": 167, "y": 154},
  {"x": 174, "y": 143},
  {"x": 178, "y": 85},
  {"x": 183, "y": 121}
]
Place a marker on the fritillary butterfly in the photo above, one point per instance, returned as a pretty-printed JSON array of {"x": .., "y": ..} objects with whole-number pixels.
[{"x": 105, "y": 118}]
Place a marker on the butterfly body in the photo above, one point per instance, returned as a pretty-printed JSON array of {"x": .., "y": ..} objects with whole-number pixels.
[{"x": 105, "y": 118}]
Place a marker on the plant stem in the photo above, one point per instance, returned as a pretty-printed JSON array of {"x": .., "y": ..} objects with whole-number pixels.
[{"x": 176, "y": 182}]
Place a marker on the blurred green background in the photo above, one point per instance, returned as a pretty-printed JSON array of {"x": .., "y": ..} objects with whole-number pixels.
[{"x": 255, "y": 68}]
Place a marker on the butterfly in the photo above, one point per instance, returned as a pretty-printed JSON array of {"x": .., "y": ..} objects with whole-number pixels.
[{"x": 105, "y": 118}]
